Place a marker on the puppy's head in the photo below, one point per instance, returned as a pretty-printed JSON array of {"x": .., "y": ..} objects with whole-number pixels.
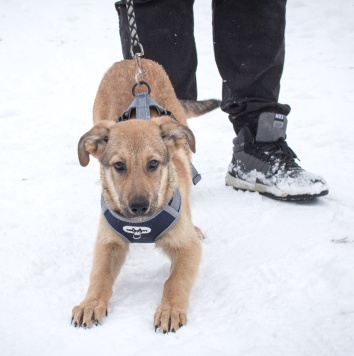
[{"x": 137, "y": 173}]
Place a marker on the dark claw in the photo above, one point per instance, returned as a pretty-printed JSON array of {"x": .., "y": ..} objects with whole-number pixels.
[
  {"x": 156, "y": 327},
  {"x": 165, "y": 332},
  {"x": 75, "y": 324},
  {"x": 72, "y": 320},
  {"x": 85, "y": 325},
  {"x": 106, "y": 312},
  {"x": 173, "y": 330},
  {"x": 96, "y": 322}
]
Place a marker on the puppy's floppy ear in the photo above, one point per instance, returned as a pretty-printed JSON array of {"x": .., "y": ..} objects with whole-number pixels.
[
  {"x": 175, "y": 134},
  {"x": 94, "y": 142}
]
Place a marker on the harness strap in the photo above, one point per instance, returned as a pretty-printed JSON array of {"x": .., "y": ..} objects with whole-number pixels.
[
  {"x": 196, "y": 177},
  {"x": 142, "y": 104},
  {"x": 147, "y": 230}
]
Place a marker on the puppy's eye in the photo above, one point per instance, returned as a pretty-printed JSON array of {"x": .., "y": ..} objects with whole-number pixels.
[
  {"x": 119, "y": 166},
  {"x": 152, "y": 165}
]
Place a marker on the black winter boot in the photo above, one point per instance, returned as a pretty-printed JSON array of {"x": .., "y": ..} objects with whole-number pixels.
[{"x": 266, "y": 164}]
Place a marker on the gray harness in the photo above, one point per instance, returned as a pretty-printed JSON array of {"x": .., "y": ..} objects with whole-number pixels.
[
  {"x": 147, "y": 230},
  {"x": 142, "y": 104}
]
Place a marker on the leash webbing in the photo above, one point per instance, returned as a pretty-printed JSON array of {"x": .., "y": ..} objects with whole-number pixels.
[
  {"x": 134, "y": 38},
  {"x": 134, "y": 41}
]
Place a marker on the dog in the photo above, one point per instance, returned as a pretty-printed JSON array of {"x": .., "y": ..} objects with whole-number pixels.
[{"x": 143, "y": 163}]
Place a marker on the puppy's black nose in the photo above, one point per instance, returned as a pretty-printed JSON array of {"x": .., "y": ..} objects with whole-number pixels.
[{"x": 139, "y": 206}]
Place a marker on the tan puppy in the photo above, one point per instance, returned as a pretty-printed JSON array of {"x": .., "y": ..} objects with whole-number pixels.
[{"x": 142, "y": 165}]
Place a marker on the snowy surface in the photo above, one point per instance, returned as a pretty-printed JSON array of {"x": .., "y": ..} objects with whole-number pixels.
[{"x": 276, "y": 278}]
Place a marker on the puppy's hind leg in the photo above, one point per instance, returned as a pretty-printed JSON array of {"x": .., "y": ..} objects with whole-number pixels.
[
  {"x": 172, "y": 313},
  {"x": 108, "y": 260}
]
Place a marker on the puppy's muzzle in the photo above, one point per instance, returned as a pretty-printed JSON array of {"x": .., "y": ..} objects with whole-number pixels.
[{"x": 139, "y": 206}]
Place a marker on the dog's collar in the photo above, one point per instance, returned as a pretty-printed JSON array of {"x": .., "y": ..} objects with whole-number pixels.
[{"x": 148, "y": 230}]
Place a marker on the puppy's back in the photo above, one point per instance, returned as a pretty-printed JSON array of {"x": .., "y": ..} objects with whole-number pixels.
[{"x": 114, "y": 94}]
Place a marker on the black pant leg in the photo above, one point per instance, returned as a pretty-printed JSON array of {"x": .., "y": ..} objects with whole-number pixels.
[
  {"x": 249, "y": 52},
  {"x": 166, "y": 31}
]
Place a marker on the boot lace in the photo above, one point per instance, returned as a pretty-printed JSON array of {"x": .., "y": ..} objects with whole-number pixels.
[{"x": 277, "y": 154}]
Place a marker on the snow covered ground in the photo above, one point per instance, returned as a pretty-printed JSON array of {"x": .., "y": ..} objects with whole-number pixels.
[{"x": 276, "y": 278}]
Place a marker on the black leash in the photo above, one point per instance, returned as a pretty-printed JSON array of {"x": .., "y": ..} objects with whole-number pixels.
[
  {"x": 135, "y": 44},
  {"x": 134, "y": 38}
]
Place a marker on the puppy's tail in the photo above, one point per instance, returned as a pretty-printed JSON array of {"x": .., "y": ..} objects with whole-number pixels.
[{"x": 197, "y": 108}]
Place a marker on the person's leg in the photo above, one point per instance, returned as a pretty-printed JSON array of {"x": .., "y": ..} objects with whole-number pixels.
[
  {"x": 249, "y": 52},
  {"x": 166, "y": 31}
]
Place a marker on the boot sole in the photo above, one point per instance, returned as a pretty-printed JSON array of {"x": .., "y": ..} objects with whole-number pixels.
[{"x": 240, "y": 184}]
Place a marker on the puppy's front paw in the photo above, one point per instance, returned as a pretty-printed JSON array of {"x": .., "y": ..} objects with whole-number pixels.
[
  {"x": 89, "y": 312},
  {"x": 169, "y": 318}
]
